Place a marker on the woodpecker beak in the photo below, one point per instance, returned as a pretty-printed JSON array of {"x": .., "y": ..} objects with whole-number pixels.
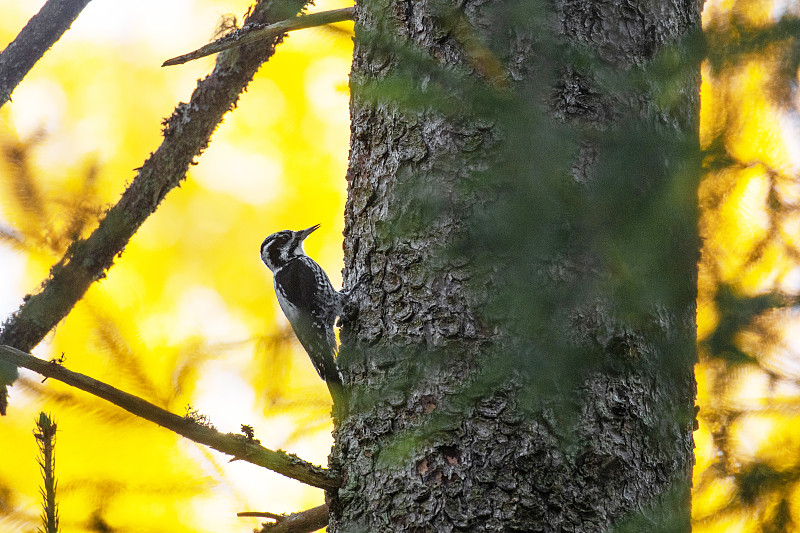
[{"x": 308, "y": 231}]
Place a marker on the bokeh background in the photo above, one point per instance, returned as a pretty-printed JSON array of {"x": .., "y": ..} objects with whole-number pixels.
[
  {"x": 187, "y": 317},
  {"x": 748, "y": 444}
]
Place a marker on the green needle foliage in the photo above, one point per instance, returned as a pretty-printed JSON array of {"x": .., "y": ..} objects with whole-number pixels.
[{"x": 46, "y": 439}]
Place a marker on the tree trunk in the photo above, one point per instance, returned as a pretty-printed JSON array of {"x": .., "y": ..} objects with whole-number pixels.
[{"x": 522, "y": 239}]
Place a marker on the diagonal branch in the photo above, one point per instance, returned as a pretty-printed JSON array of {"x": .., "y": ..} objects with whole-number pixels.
[
  {"x": 248, "y": 35},
  {"x": 39, "y": 34},
  {"x": 238, "y": 446},
  {"x": 186, "y": 135}
]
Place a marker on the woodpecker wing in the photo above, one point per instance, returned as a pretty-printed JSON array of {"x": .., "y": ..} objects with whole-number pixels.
[{"x": 305, "y": 295}]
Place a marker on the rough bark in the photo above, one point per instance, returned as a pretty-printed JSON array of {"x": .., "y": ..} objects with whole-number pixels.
[{"x": 441, "y": 435}]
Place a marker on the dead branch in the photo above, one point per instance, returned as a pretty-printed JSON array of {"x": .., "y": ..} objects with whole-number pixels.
[
  {"x": 252, "y": 34},
  {"x": 261, "y": 514},
  {"x": 302, "y": 522},
  {"x": 238, "y": 446}
]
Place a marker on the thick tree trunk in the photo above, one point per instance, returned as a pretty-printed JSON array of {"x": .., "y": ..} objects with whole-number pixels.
[{"x": 457, "y": 421}]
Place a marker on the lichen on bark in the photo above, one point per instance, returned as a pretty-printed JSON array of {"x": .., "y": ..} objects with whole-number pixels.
[{"x": 512, "y": 366}]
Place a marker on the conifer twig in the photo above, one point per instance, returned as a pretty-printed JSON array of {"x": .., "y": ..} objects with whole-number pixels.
[
  {"x": 247, "y": 35},
  {"x": 238, "y": 446},
  {"x": 39, "y": 34},
  {"x": 46, "y": 439}
]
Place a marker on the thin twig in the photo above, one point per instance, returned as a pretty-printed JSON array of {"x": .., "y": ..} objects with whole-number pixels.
[
  {"x": 251, "y": 34},
  {"x": 302, "y": 522},
  {"x": 186, "y": 135},
  {"x": 238, "y": 446},
  {"x": 261, "y": 514},
  {"x": 39, "y": 34}
]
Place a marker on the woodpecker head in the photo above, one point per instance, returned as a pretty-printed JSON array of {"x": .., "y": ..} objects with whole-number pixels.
[{"x": 283, "y": 246}]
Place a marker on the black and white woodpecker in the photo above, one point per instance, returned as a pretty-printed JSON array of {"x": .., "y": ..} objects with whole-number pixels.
[{"x": 306, "y": 297}]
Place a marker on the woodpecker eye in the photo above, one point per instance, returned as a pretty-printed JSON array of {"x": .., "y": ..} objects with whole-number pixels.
[{"x": 307, "y": 299}]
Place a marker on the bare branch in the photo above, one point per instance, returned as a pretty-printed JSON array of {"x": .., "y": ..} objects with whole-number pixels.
[
  {"x": 302, "y": 522},
  {"x": 261, "y": 514},
  {"x": 238, "y": 446},
  {"x": 39, "y": 34},
  {"x": 186, "y": 135},
  {"x": 251, "y": 34}
]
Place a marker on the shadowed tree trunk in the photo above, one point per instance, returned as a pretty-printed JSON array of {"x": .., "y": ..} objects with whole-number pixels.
[{"x": 521, "y": 221}]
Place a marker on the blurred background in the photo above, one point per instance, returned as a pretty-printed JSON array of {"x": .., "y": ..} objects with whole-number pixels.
[
  {"x": 748, "y": 444},
  {"x": 187, "y": 317}
]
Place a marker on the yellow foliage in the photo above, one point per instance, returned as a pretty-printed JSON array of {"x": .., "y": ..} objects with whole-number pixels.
[
  {"x": 187, "y": 316},
  {"x": 749, "y": 439}
]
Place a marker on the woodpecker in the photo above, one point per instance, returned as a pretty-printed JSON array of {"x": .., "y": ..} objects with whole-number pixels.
[{"x": 306, "y": 297}]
